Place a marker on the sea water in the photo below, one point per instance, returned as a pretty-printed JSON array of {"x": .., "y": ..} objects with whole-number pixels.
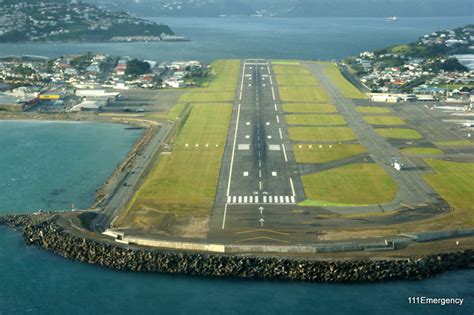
[{"x": 246, "y": 37}]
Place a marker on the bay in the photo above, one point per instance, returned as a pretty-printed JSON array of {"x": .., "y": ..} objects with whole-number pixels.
[{"x": 247, "y": 37}]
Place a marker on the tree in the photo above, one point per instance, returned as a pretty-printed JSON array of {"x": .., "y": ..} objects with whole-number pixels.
[{"x": 137, "y": 67}]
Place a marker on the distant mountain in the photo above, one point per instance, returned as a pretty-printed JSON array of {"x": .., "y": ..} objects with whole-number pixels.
[{"x": 293, "y": 8}]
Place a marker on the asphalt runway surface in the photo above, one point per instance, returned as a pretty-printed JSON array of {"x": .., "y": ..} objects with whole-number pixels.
[{"x": 259, "y": 181}]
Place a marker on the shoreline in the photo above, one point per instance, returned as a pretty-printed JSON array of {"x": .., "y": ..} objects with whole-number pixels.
[{"x": 43, "y": 230}]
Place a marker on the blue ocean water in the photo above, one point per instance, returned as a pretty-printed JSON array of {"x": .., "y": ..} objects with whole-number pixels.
[{"x": 246, "y": 37}]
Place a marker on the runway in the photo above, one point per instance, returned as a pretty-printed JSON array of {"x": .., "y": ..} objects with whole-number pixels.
[{"x": 259, "y": 175}]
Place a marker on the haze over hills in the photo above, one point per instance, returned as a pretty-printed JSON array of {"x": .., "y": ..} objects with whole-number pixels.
[{"x": 294, "y": 8}]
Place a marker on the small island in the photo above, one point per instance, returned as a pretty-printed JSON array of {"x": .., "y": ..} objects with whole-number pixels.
[{"x": 72, "y": 20}]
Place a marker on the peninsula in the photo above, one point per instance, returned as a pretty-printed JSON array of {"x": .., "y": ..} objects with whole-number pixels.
[{"x": 70, "y": 20}]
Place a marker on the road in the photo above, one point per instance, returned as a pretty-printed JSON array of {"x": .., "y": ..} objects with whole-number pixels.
[
  {"x": 259, "y": 177},
  {"x": 128, "y": 180}
]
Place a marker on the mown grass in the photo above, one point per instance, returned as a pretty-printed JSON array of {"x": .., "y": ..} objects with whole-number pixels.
[
  {"x": 315, "y": 119},
  {"x": 286, "y": 62},
  {"x": 421, "y": 151},
  {"x": 303, "y": 94},
  {"x": 221, "y": 86},
  {"x": 226, "y": 73},
  {"x": 319, "y": 108},
  {"x": 384, "y": 120},
  {"x": 454, "y": 181},
  {"x": 176, "y": 111},
  {"x": 399, "y": 133},
  {"x": 184, "y": 183},
  {"x": 456, "y": 143},
  {"x": 285, "y": 69},
  {"x": 372, "y": 110},
  {"x": 296, "y": 80},
  {"x": 346, "y": 88},
  {"x": 351, "y": 184},
  {"x": 326, "y": 153},
  {"x": 321, "y": 134}
]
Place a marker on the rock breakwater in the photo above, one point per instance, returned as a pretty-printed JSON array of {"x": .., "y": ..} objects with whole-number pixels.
[{"x": 42, "y": 230}]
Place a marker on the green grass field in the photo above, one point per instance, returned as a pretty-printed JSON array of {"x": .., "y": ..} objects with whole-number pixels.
[
  {"x": 351, "y": 184},
  {"x": 384, "y": 120},
  {"x": 296, "y": 80},
  {"x": 458, "y": 143},
  {"x": 309, "y": 108},
  {"x": 290, "y": 69},
  {"x": 421, "y": 151},
  {"x": 226, "y": 75},
  {"x": 399, "y": 133},
  {"x": 454, "y": 181},
  {"x": 315, "y": 119},
  {"x": 372, "y": 110},
  {"x": 346, "y": 88},
  {"x": 321, "y": 134},
  {"x": 170, "y": 194},
  {"x": 326, "y": 153},
  {"x": 303, "y": 94},
  {"x": 286, "y": 62}
]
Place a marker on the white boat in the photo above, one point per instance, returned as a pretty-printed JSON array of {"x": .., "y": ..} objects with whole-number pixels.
[{"x": 392, "y": 19}]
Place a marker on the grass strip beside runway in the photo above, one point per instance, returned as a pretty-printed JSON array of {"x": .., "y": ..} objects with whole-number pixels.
[
  {"x": 296, "y": 80},
  {"x": 303, "y": 94},
  {"x": 206, "y": 97},
  {"x": 384, "y": 120},
  {"x": 315, "y": 119},
  {"x": 346, "y": 88},
  {"x": 457, "y": 143},
  {"x": 421, "y": 151},
  {"x": 309, "y": 108},
  {"x": 321, "y": 134},
  {"x": 324, "y": 153},
  {"x": 399, "y": 133},
  {"x": 351, "y": 184},
  {"x": 182, "y": 185},
  {"x": 286, "y": 69},
  {"x": 454, "y": 181}
]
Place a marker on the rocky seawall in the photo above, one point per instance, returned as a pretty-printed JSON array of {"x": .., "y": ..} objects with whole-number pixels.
[{"x": 43, "y": 231}]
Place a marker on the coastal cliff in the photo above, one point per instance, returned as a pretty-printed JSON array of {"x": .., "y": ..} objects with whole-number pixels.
[{"x": 43, "y": 231}]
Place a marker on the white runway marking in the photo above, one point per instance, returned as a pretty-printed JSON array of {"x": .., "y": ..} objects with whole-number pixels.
[
  {"x": 244, "y": 147},
  {"x": 274, "y": 147},
  {"x": 233, "y": 150},
  {"x": 246, "y": 174},
  {"x": 275, "y": 105},
  {"x": 279, "y": 131},
  {"x": 274, "y": 173},
  {"x": 260, "y": 185},
  {"x": 278, "y": 119},
  {"x": 284, "y": 152},
  {"x": 273, "y": 93},
  {"x": 292, "y": 187},
  {"x": 225, "y": 214}
]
